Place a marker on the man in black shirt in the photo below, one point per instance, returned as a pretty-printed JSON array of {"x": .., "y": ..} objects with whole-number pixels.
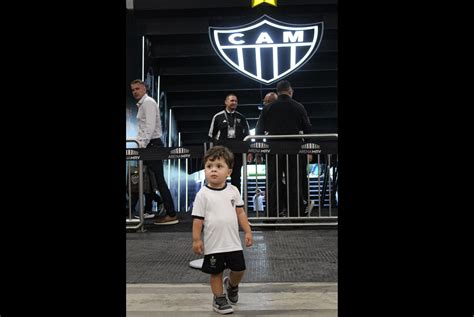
[
  {"x": 230, "y": 124},
  {"x": 283, "y": 116}
]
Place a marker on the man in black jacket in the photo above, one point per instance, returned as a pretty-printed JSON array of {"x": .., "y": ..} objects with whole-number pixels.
[
  {"x": 228, "y": 125},
  {"x": 283, "y": 116}
]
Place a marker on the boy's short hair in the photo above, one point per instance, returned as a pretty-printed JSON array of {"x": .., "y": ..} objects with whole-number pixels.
[{"x": 218, "y": 152}]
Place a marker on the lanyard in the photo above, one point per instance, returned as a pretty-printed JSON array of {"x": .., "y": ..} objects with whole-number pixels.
[{"x": 227, "y": 119}]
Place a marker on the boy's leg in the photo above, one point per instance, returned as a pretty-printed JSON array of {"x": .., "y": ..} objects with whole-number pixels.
[
  {"x": 231, "y": 284},
  {"x": 216, "y": 284},
  {"x": 235, "y": 278},
  {"x": 219, "y": 301},
  {"x": 236, "y": 263}
]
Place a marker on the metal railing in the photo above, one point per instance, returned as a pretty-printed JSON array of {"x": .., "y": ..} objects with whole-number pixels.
[
  {"x": 327, "y": 145},
  {"x": 132, "y": 223},
  {"x": 160, "y": 153}
]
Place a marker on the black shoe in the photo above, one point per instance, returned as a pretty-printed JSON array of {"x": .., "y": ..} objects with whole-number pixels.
[
  {"x": 232, "y": 292},
  {"x": 221, "y": 305}
]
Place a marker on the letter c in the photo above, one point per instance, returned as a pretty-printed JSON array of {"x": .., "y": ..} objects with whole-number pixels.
[{"x": 234, "y": 41}]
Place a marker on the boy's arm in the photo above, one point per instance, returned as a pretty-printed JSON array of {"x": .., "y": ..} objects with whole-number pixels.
[
  {"x": 198, "y": 247},
  {"x": 244, "y": 223}
]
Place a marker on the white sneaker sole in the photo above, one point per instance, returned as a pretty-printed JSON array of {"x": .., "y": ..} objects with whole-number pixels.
[
  {"x": 167, "y": 223},
  {"x": 223, "y": 311},
  {"x": 145, "y": 217}
]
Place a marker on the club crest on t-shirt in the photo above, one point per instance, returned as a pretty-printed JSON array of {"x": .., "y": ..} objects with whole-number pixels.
[{"x": 233, "y": 202}]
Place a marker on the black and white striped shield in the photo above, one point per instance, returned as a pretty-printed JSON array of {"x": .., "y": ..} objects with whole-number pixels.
[{"x": 266, "y": 50}]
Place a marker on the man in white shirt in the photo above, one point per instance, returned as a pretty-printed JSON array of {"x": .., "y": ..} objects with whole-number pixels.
[{"x": 149, "y": 136}]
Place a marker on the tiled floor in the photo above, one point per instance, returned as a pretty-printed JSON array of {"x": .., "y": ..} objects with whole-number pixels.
[
  {"x": 289, "y": 273},
  {"x": 255, "y": 299},
  {"x": 276, "y": 256}
]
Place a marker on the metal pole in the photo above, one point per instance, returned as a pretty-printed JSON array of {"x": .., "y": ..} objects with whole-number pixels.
[
  {"x": 169, "y": 145},
  {"x": 179, "y": 175},
  {"x": 143, "y": 58},
  {"x": 266, "y": 185},
  {"x": 244, "y": 158},
  {"x": 277, "y": 186},
  {"x": 319, "y": 184},
  {"x": 309, "y": 201},
  {"x": 140, "y": 182},
  {"x": 158, "y": 90},
  {"x": 329, "y": 182},
  {"x": 256, "y": 184},
  {"x": 287, "y": 185},
  {"x": 298, "y": 181},
  {"x": 140, "y": 192},
  {"x": 187, "y": 186},
  {"x": 129, "y": 191}
]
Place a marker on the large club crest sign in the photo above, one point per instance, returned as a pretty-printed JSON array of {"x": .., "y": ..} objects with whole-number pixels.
[{"x": 266, "y": 50}]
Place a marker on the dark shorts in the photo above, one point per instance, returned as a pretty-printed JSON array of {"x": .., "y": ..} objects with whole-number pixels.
[{"x": 218, "y": 262}]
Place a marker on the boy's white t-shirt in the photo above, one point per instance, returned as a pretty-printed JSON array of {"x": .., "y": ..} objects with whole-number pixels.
[{"x": 221, "y": 226}]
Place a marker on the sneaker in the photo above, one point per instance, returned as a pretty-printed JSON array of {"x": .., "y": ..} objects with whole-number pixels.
[
  {"x": 167, "y": 220},
  {"x": 232, "y": 292},
  {"x": 146, "y": 215},
  {"x": 221, "y": 305}
]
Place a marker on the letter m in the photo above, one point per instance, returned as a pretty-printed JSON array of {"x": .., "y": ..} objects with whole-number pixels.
[{"x": 290, "y": 37}]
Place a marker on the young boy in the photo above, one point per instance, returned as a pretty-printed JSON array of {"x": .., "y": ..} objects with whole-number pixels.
[{"x": 218, "y": 207}]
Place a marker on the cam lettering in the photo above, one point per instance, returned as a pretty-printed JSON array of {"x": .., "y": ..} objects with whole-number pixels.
[{"x": 264, "y": 37}]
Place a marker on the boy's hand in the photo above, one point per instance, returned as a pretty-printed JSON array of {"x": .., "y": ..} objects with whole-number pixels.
[
  {"x": 198, "y": 247},
  {"x": 248, "y": 239}
]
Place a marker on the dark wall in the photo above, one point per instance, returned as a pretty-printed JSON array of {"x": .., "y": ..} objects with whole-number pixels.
[
  {"x": 196, "y": 80},
  {"x": 133, "y": 53}
]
